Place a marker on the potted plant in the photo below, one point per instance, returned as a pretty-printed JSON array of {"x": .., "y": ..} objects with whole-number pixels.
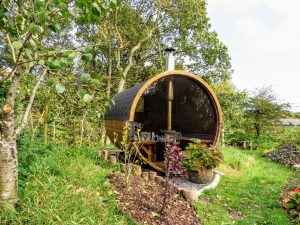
[{"x": 200, "y": 161}]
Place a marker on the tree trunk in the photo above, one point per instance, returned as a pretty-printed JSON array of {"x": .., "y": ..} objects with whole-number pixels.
[
  {"x": 121, "y": 84},
  {"x": 8, "y": 162},
  {"x": 8, "y": 149}
]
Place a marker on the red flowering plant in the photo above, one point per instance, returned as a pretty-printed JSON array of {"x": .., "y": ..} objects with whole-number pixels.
[
  {"x": 291, "y": 202},
  {"x": 172, "y": 162}
]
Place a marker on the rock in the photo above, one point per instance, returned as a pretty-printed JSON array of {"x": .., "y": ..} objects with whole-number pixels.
[
  {"x": 159, "y": 180},
  {"x": 297, "y": 166},
  {"x": 145, "y": 176},
  {"x": 152, "y": 176},
  {"x": 190, "y": 194}
]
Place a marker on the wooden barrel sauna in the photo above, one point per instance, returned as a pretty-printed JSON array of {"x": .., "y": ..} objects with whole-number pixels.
[{"x": 173, "y": 100}]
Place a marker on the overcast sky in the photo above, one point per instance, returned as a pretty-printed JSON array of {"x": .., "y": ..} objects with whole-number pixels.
[{"x": 263, "y": 38}]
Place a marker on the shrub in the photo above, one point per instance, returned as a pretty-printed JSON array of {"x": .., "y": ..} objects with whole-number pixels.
[
  {"x": 201, "y": 156},
  {"x": 286, "y": 155}
]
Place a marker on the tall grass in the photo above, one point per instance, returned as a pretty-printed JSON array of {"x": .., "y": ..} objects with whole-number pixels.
[{"x": 63, "y": 185}]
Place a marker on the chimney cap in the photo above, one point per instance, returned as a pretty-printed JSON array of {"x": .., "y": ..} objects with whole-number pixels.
[{"x": 170, "y": 49}]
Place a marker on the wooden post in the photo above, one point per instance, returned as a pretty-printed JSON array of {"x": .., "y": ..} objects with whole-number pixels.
[
  {"x": 123, "y": 167},
  {"x": 105, "y": 155},
  {"x": 137, "y": 169},
  {"x": 223, "y": 137},
  {"x": 159, "y": 179},
  {"x": 152, "y": 176},
  {"x": 145, "y": 176},
  {"x": 170, "y": 100},
  {"x": 113, "y": 159}
]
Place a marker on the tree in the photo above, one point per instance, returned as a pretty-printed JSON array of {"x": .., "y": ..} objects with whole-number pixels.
[
  {"x": 233, "y": 104},
  {"x": 26, "y": 26},
  {"x": 263, "y": 110}
]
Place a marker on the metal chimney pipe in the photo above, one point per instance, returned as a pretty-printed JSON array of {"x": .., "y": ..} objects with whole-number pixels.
[{"x": 170, "y": 58}]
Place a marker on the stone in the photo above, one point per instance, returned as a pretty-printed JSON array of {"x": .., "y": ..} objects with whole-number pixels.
[
  {"x": 159, "y": 180},
  {"x": 152, "y": 175},
  {"x": 190, "y": 194},
  {"x": 145, "y": 176}
]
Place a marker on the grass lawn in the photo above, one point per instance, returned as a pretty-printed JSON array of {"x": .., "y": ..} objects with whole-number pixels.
[
  {"x": 248, "y": 193},
  {"x": 61, "y": 185}
]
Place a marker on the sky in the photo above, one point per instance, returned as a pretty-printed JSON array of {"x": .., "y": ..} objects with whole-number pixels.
[{"x": 263, "y": 40}]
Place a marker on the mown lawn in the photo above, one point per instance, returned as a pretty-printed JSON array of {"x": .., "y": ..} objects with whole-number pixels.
[
  {"x": 60, "y": 185},
  {"x": 248, "y": 193}
]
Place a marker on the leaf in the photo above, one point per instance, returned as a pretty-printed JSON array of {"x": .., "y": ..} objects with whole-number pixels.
[
  {"x": 86, "y": 57},
  {"x": 17, "y": 44},
  {"x": 87, "y": 98},
  {"x": 42, "y": 62},
  {"x": 55, "y": 64},
  {"x": 88, "y": 50},
  {"x": 64, "y": 62},
  {"x": 39, "y": 5},
  {"x": 50, "y": 82},
  {"x": 51, "y": 53},
  {"x": 85, "y": 77},
  {"x": 73, "y": 55},
  {"x": 60, "y": 88},
  {"x": 54, "y": 27},
  {"x": 80, "y": 93},
  {"x": 95, "y": 82},
  {"x": 154, "y": 214},
  {"x": 34, "y": 28},
  {"x": 42, "y": 17}
]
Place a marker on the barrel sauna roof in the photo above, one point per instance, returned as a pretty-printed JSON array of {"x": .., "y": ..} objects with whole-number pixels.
[{"x": 123, "y": 105}]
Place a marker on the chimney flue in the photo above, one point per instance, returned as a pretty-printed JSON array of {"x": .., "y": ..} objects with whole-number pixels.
[{"x": 170, "y": 58}]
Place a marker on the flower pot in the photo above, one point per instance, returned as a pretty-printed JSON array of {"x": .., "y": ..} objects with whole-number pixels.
[{"x": 200, "y": 176}]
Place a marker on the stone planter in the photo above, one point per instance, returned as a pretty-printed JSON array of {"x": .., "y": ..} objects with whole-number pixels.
[{"x": 200, "y": 176}]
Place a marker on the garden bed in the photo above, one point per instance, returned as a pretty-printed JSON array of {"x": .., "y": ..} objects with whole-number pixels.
[{"x": 142, "y": 201}]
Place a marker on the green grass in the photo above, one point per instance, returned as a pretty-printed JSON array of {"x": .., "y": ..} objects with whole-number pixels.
[
  {"x": 250, "y": 189},
  {"x": 63, "y": 185}
]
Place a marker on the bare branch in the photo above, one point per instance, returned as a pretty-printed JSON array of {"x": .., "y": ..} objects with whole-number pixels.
[{"x": 29, "y": 105}]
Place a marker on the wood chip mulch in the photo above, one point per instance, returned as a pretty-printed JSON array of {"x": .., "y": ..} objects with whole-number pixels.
[{"x": 142, "y": 201}]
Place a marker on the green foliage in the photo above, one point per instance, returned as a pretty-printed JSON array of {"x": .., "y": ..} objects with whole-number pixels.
[
  {"x": 85, "y": 77},
  {"x": 60, "y": 88},
  {"x": 264, "y": 111},
  {"x": 247, "y": 195},
  {"x": 3, "y": 90},
  {"x": 201, "y": 156}
]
